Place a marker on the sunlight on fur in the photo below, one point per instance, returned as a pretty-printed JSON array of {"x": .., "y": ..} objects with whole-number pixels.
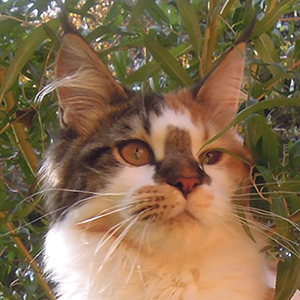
[{"x": 138, "y": 211}]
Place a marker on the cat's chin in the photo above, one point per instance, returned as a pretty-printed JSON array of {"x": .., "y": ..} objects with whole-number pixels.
[{"x": 185, "y": 216}]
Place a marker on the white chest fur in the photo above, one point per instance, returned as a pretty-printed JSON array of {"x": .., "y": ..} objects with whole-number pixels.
[{"x": 221, "y": 266}]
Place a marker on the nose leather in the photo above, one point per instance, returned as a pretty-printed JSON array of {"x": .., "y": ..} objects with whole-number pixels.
[
  {"x": 187, "y": 184},
  {"x": 183, "y": 174},
  {"x": 179, "y": 166}
]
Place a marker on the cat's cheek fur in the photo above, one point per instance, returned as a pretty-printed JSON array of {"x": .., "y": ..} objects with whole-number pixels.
[
  {"x": 130, "y": 178},
  {"x": 209, "y": 205}
]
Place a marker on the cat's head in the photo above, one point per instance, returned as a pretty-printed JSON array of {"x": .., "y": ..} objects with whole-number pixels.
[{"x": 127, "y": 161}]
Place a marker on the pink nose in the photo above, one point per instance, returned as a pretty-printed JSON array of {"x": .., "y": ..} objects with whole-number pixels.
[{"x": 187, "y": 184}]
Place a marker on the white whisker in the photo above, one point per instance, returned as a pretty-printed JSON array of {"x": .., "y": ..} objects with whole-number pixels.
[
  {"x": 80, "y": 192},
  {"x": 264, "y": 213},
  {"x": 110, "y": 233},
  {"x": 266, "y": 230},
  {"x": 107, "y": 212},
  {"x": 118, "y": 240},
  {"x": 141, "y": 238}
]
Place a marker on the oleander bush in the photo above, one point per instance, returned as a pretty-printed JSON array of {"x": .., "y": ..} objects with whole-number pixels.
[{"x": 149, "y": 45}]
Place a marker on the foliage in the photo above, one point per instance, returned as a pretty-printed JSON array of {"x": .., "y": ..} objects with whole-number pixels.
[{"x": 149, "y": 46}]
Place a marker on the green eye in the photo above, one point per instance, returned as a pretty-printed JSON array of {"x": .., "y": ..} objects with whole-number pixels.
[
  {"x": 211, "y": 157},
  {"x": 136, "y": 152}
]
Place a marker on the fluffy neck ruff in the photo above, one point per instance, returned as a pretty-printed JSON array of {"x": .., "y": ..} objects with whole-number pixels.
[{"x": 224, "y": 264}]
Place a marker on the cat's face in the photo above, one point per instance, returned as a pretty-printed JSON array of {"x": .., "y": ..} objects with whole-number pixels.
[{"x": 132, "y": 165}]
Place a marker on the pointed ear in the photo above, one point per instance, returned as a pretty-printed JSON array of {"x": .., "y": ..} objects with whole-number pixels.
[
  {"x": 85, "y": 86},
  {"x": 221, "y": 90}
]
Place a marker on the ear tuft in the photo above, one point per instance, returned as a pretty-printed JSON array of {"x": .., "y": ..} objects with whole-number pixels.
[{"x": 85, "y": 86}]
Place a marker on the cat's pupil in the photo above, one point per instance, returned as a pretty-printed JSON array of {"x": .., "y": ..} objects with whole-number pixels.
[
  {"x": 136, "y": 152},
  {"x": 212, "y": 157}
]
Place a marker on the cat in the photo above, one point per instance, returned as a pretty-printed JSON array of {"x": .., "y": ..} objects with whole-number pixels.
[{"x": 142, "y": 207}]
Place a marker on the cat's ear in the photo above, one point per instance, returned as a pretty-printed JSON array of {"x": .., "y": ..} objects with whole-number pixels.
[
  {"x": 85, "y": 86},
  {"x": 220, "y": 92}
]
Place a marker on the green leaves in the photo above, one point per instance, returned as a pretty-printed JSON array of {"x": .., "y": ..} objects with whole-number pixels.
[
  {"x": 270, "y": 20},
  {"x": 288, "y": 276},
  {"x": 261, "y": 141},
  {"x": 191, "y": 24},
  {"x": 168, "y": 62},
  {"x": 140, "y": 6},
  {"x": 243, "y": 114},
  {"x": 294, "y": 157},
  {"x": 266, "y": 49},
  {"x": 153, "y": 68},
  {"x": 281, "y": 215},
  {"x": 152, "y": 46},
  {"x": 24, "y": 53}
]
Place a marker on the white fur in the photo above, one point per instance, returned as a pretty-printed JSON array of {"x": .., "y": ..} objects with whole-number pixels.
[
  {"x": 201, "y": 272},
  {"x": 199, "y": 250},
  {"x": 175, "y": 118}
]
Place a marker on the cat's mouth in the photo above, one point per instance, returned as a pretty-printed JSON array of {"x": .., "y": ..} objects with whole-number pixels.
[{"x": 184, "y": 216}]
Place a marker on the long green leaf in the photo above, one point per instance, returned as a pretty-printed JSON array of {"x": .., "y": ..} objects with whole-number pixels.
[
  {"x": 210, "y": 38},
  {"x": 266, "y": 50},
  {"x": 8, "y": 25},
  {"x": 114, "y": 12},
  {"x": 294, "y": 157},
  {"x": 226, "y": 8},
  {"x": 87, "y": 5},
  {"x": 279, "y": 209},
  {"x": 267, "y": 104},
  {"x": 101, "y": 30},
  {"x": 139, "y": 7},
  {"x": 257, "y": 129},
  {"x": 271, "y": 18},
  {"x": 168, "y": 62},
  {"x": 152, "y": 67},
  {"x": 157, "y": 13},
  {"x": 241, "y": 213},
  {"x": 24, "y": 53},
  {"x": 288, "y": 277},
  {"x": 191, "y": 23}
]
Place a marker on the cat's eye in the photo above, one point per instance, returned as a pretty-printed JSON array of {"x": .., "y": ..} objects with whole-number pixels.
[
  {"x": 211, "y": 157},
  {"x": 136, "y": 152}
]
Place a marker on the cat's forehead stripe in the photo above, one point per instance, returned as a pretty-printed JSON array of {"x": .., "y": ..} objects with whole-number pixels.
[
  {"x": 169, "y": 118},
  {"x": 178, "y": 140}
]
